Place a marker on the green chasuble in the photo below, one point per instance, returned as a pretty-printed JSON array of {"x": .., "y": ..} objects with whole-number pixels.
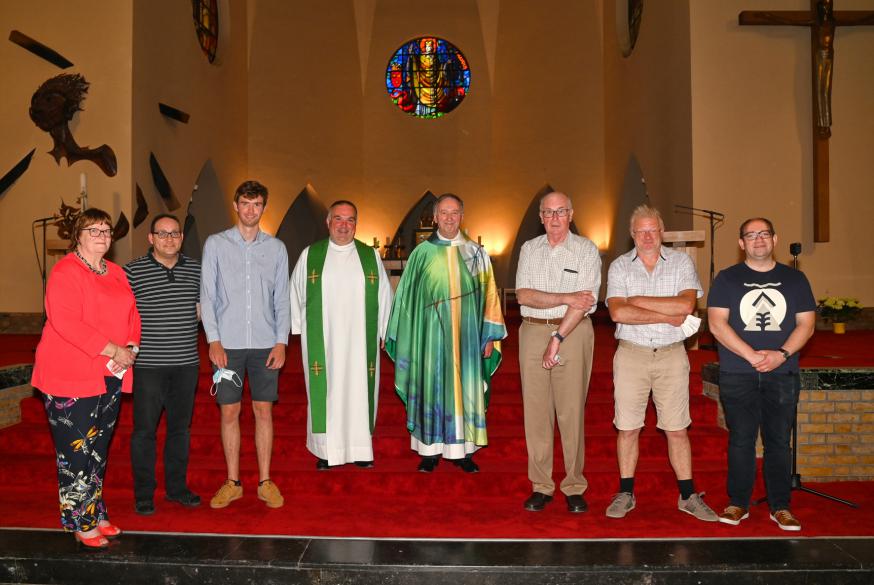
[
  {"x": 315, "y": 333},
  {"x": 446, "y": 309}
]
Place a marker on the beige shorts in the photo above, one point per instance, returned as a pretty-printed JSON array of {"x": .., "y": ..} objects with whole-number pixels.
[{"x": 639, "y": 370}]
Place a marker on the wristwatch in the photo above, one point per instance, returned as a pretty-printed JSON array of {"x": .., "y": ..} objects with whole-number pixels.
[
  {"x": 785, "y": 353},
  {"x": 134, "y": 348},
  {"x": 558, "y": 336}
]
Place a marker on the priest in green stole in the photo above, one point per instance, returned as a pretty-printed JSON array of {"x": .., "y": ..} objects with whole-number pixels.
[
  {"x": 444, "y": 337},
  {"x": 340, "y": 303}
]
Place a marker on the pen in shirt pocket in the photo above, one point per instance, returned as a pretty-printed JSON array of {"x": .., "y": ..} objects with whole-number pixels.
[{"x": 571, "y": 271}]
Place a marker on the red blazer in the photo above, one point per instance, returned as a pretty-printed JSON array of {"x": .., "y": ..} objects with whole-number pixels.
[{"x": 85, "y": 311}]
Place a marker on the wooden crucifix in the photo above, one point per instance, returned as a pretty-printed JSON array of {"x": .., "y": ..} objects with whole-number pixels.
[{"x": 822, "y": 20}]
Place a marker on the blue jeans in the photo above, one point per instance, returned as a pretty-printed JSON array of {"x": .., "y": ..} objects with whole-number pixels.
[{"x": 754, "y": 401}]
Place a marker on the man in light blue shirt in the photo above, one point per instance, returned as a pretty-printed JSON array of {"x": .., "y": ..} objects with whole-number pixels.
[{"x": 246, "y": 316}]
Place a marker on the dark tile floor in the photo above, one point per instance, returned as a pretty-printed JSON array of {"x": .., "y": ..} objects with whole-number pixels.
[{"x": 28, "y": 556}]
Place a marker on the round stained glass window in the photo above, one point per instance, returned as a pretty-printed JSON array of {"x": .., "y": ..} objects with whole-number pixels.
[{"x": 427, "y": 77}]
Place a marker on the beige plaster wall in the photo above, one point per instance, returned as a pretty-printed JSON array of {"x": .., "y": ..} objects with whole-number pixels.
[
  {"x": 649, "y": 114},
  {"x": 170, "y": 67},
  {"x": 96, "y": 37},
  {"x": 752, "y": 139},
  {"x": 534, "y": 117}
]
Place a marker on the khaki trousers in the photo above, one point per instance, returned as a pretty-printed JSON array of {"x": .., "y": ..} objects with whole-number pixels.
[{"x": 558, "y": 393}]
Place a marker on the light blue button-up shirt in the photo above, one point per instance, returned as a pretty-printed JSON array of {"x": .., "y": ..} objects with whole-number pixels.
[{"x": 244, "y": 298}]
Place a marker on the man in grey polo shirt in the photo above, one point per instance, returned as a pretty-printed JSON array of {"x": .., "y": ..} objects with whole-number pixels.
[
  {"x": 246, "y": 316},
  {"x": 557, "y": 286},
  {"x": 651, "y": 290}
]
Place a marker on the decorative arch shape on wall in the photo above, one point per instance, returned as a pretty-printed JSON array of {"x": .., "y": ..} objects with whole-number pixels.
[
  {"x": 629, "y": 15},
  {"x": 303, "y": 224},
  {"x": 633, "y": 193},
  {"x": 404, "y": 239},
  {"x": 207, "y": 212},
  {"x": 530, "y": 227}
]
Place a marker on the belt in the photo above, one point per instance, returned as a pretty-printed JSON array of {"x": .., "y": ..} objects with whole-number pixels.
[
  {"x": 536, "y": 321},
  {"x": 637, "y": 347}
]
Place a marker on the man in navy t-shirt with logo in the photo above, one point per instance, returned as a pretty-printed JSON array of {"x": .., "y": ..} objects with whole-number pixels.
[{"x": 761, "y": 313}]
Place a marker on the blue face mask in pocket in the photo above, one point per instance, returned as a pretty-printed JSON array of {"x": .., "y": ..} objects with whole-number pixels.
[{"x": 224, "y": 374}]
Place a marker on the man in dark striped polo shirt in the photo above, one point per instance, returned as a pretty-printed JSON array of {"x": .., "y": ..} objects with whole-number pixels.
[{"x": 166, "y": 284}]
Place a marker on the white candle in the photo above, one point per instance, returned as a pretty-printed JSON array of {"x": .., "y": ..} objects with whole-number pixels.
[{"x": 83, "y": 183}]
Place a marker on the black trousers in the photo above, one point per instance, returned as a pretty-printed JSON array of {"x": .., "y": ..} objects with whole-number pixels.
[{"x": 169, "y": 389}]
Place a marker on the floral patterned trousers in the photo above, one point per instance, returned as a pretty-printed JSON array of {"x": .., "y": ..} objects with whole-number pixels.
[{"x": 82, "y": 429}]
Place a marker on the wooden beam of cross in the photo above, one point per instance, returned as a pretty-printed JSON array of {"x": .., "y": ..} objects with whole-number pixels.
[{"x": 822, "y": 20}]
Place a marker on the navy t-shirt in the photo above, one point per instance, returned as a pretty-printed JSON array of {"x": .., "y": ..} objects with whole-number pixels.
[{"x": 762, "y": 308}]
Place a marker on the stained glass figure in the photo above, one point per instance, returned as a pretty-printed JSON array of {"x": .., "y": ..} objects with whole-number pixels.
[
  {"x": 206, "y": 25},
  {"x": 427, "y": 77}
]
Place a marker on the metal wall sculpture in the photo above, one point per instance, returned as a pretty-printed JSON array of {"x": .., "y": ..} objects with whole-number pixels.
[{"x": 52, "y": 107}]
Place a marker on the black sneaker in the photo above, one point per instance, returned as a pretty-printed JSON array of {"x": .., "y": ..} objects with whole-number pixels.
[
  {"x": 187, "y": 498},
  {"x": 364, "y": 464},
  {"x": 322, "y": 464},
  {"x": 144, "y": 507}
]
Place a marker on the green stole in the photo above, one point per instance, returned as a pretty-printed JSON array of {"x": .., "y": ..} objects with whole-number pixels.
[{"x": 315, "y": 332}]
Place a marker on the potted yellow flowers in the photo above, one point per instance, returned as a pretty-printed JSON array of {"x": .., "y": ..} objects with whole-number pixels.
[{"x": 839, "y": 310}]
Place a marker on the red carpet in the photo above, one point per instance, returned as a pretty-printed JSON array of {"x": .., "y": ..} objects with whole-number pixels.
[{"x": 393, "y": 500}]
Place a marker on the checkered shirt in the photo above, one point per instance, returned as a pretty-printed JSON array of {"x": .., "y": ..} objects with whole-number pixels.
[
  {"x": 674, "y": 272},
  {"x": 571, "y": 266}
]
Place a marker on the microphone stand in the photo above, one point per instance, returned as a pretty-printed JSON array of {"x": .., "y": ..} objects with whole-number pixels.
[
  {"x": 43, "y": 268},
  {"x": 716, "y": 219},
  {"x": 795, "y": 250}
]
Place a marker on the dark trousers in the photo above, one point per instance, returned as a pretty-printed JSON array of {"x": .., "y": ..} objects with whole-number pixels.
[
  {"x": 169, "y": 388},
  {"x": 82, "y": 429},
  {"x": 754, "y": 401}
]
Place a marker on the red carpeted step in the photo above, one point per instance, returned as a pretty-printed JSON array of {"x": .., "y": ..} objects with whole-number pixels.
[
  {"x": 507, "y": 439},
  {"x": 393, "y": 499},
  {"x": 396, "y": 476}
]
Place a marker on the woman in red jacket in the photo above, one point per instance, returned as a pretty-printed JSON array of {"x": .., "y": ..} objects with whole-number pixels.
[{"x": 83, "y": 364}]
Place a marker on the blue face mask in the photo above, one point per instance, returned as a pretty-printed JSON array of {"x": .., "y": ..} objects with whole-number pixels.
[{"x": 224, "y": 374}]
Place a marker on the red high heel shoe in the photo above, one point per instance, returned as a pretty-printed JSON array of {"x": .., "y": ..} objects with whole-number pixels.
[
  {"x": 94, "y": 542},
  {"x": 109, "y": 530}
]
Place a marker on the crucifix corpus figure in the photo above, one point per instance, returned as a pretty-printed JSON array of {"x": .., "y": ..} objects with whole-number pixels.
[{"x": 822, "y": 20}]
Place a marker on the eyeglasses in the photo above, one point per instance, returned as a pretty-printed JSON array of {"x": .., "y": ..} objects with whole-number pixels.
[
  {"x": 97, "y": 232},
  {"x": 652, "y": 232},
  {"x": 162, "y": 235},
  {"x": 753, "y": 236},
  {"x": 560, "y": 212}
]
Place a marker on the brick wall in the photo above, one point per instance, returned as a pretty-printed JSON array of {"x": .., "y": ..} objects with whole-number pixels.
[
  {"x": 835, "y": 422},
  {"x": 836, "y": 434}
]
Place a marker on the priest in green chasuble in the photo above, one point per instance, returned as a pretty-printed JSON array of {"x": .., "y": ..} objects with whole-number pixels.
[
  {"x": 444, "y": 337},
  {"x": 340, "y": 303}
]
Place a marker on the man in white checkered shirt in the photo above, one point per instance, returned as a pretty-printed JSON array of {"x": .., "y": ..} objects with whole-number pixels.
[
  {"x": 650, "y": 292},
  {"x": 557, "y": 285}
]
